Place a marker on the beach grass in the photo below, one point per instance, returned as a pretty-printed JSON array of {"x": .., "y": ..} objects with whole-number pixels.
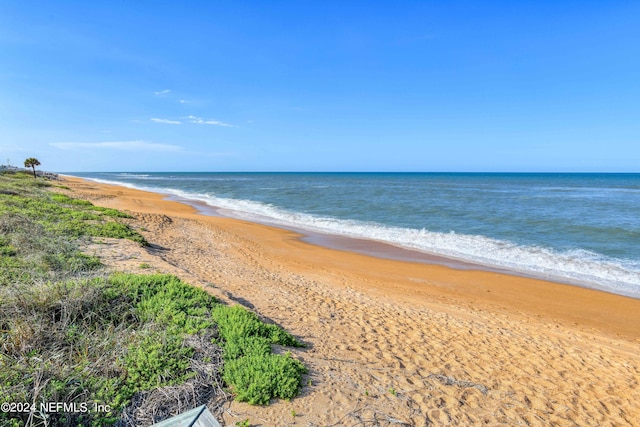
[{"x": 75, "y": 334}]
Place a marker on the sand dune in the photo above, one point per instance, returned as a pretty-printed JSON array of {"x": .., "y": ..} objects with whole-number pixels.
[{"x": 398, "y": 343}]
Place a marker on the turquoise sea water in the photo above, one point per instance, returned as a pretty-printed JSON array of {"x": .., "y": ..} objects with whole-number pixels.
[{"x": 576, "y": 228}]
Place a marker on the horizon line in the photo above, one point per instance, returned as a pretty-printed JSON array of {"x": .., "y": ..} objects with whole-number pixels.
[{"x": 355, "y": 171}]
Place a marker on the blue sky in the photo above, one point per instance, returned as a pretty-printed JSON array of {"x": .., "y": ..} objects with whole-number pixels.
[{"x": 321, "y": 86}]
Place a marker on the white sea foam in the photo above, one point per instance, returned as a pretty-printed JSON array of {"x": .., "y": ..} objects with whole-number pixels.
[
  {"x": 576, "y": 266},
  {"x": 133, "y": 175}
]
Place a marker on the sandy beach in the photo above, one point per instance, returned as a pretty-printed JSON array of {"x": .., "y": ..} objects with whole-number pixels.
[{"x": 394, "y": 342}]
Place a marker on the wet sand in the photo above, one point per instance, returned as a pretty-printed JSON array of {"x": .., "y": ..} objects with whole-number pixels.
[{"x": 398, "y": 341}]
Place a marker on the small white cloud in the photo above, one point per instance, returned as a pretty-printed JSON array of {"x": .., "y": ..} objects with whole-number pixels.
[
  {"x": 201, "y": 121},
  {"x": 184, "y": 101},
  {"x": 166, "y": 121},
  {"x": 162, "y": 92},
  {"x": 117, "y": 145}
]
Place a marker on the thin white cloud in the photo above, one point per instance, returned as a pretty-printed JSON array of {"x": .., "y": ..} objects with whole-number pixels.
[
  {"x": 201, "y": 121},
  {"x": 166, "y": 121},
  {"x": 162, "y": 92},
  {"x": 117, "y": 145},
  {"x": 184, "y": 101}
]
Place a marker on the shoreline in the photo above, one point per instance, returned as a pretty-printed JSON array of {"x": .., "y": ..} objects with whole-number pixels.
[
  {"x": 457, "y": 346},
  {"x": 381, "y": 249},
  {"x": 529, "y": 293}
]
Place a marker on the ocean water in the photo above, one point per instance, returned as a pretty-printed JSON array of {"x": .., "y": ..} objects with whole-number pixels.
[{"x": 575, "y": 228}]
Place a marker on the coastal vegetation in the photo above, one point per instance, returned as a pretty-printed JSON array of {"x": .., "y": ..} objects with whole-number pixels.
[{"x": 102, "y": 343}]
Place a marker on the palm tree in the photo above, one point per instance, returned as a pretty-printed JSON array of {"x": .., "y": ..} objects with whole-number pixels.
[{"x": 32, "y": 162}]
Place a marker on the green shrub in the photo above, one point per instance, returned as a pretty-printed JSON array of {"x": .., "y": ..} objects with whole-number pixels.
[
  {"x": 237, "y": 321},
  {"x": 237, "y": 346},
  {"x": 167, "y": 300},
  {"x": 253, "y": 372},
  {"x": 159, "y": 359},
  {"x": 257, "y": 379}
]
